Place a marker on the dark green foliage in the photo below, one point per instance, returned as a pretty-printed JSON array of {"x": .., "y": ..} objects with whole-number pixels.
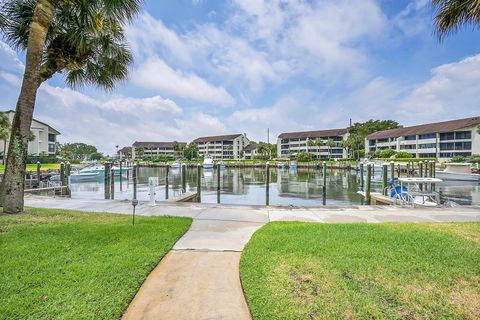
[{"x": 304, "y": 157}]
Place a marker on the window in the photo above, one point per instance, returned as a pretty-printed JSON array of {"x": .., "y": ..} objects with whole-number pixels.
[
  {"x": 447, "y": 136},
  {"x": 51, "y": 137},
  {"x": 337, "y": 151},
  {"x": 371, "y": 142},
  {"x": 461, "y": 135},
  {"x": 413, "y": 137},
  {"x": 408, "y": 147},
  {"x": 382, "y": 140},
  {"x": 427, "y": 145},
  {"x": 452, "y": 154},
  {"x": 447, "y": 146},
  {"x": 427, "y": 155},
  {"x": 427, "y": 136},
  {"x": 51, "y": 148},
  {"x": 463, "y": 145}
]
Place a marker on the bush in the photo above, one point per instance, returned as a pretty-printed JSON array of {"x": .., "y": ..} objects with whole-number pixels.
[
  {"x": 458, "y": 159},
  {"x": 304, "y": 157},
  {"x": 387, "y": 153},
  {"x": 42, "y": 159},
  {"x": 403, "y": 154}
]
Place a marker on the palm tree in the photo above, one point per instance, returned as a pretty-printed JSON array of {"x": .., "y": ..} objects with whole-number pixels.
[
  {"x": 330, "y": 145},
  {"x": 310, "y": 143},
  {"x": 4, "y": 132},
  {"x": 453, "y": 14},
  {"x": 82, "y": 39}
]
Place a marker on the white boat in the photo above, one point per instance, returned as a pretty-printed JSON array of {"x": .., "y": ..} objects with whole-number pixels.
[
  {"x": 458, "y": 172},
  {"x": 281, "y": 165},
  {"x": 293, "y": 165},
  {"x": 176, "y": 165},
  {"x": 222, "y": 165},
  {"x": 208, "y": 162},
  {"x": 95, "y": 172}
]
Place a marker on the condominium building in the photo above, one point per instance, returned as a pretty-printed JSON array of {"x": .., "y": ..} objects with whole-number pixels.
[
  {"x": 223, "y": 147},
  {"x": 291, "y": 143},
  {"x": 125, "y": 153},
  {"x": 442, "y": 140},
  {"x": 44, "y": 141},
  {"x": 150, "y": 148},
  {"x": 250, "y": 151}
]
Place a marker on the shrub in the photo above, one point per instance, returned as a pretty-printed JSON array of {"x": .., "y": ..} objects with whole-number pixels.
[
  {"x": 42, "y": 159},
  {"x": 304, "y": 157},
  {"x": 403, "y": 154},
  {"x": 387, "y": 153},
  {"x": 458, "y": 159}
]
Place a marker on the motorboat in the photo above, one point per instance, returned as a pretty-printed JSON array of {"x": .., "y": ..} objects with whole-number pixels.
[
  {"x": 281, "y": 165},
  {"x": 95, "y": 172},
  {"x": 293, "y": 165},
  {"x": 458, "y": 172},
  {"x": 176, "y": 165},
  {"x": 208, "y": 162}
]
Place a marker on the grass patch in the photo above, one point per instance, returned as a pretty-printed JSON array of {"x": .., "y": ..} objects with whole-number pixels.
[
  {"x": 294, "y": 270},
  {"x": 33, "y": 167},
  {"x": 58, "y": 264}
]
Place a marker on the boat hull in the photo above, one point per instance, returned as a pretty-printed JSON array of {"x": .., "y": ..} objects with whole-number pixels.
[{"x": 457, "y": 176}]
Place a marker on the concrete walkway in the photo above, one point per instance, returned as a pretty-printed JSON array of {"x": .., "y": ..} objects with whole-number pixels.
[{"x": 199, "y": 278}]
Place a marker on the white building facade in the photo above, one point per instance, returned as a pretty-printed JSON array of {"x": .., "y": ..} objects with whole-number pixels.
[
  {"x": 291, "y": 143},
  {"x": 442, "y": 140},
  {"x": 225, "y": 147},
  {"x": 44, "y": 142},
  {"x": 150, "y": 148}
]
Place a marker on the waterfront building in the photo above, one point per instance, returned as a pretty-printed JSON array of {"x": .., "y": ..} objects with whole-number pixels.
[
  {"x": 124, "y": 153},
  {"x": 250, "y": 151},
  {"x": 225, "y": 147},
  {"x": 291, "y": 143},
  {"x": 150, "y": 148},
  {"x": 442, "y": 140},
  {"x": 45, "y": 138}
]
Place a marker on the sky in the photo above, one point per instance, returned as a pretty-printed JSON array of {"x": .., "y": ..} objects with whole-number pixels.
[{"x": 204, "y": 67}]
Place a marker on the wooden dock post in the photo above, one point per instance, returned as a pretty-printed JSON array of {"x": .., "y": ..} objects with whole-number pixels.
[
  {"x": 134, "y": 178},
  {"x": 199, "y": 183},
  {"x": 121, "y": 177},
  {"x": 167, "y": 168},
  {"x": 385, "y": 178},
  {"x": 267, "y": 185},
  {"x": 392, "y": 169},
  {"x": 112, "y": 184},
  {"x": 62, "y": 173},
  {"x": 324, "y": 188},
  {"x": 420, "y": 169},
  {"x": 107, "y": 180},
  {"x": 361, "y": 176},
  {"x": 368, "y": 184},
  {"x": 184, "y": 175},
  {"x": 218, "y": 183},
  {"x": 39, "y": 174}
]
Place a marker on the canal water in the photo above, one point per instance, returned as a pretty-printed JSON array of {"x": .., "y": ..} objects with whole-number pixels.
[{"x": 302, "y": 187}]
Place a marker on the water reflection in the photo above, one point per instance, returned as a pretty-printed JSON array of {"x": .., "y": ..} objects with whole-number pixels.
[{"x": 302, "y": 187}]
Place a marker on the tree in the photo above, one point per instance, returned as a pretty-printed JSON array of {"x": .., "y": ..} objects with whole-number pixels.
[
  {"x": 319, "y": 143},
  {"x": 78, "y": 151},
  {"x": 451, "y": 15},
  {"x": 330, "y": 145},
  {"x": 4, "y": 132},
  {"x": 310, "y": 143},
  {"x": 191, "y": 151},
  {"x": 82, "y": 39}
]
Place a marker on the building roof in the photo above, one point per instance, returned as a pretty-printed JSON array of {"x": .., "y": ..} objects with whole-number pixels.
[
  {"x": 55, "y": 131},
  {"x": 443, "y": 126},
  {"x": 313, "y": 134},
  {"x": 155, "y": 144},
  {"x": 217, "y": 138},
  {"x": 251, "y": 146},
  {"x": 125, "y": 150}
]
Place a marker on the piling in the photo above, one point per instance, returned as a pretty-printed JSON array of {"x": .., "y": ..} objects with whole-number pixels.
[
  {"x": 324, "y": 188},
  {"x": 134, "y": 178},
  {"x": 385, "y": 178},
  {"x": 39, "y": 174},
  {"x": 420, "y": 169},
  {"x": 199, "y": 183},
  {"x": 392, "y": 170},
  {"x": 218, "y": 183},
  {"x": 399, "y": 170},
  {"x": 62, "y": 173},
  {"x": 361, "y": 176},
  {"x": 121, "y": 177},
  {"x": 368, "y": 184},
  {"x": 107, "y": 180},
  {"x": 184, "y": 175},
  {"x": 112, "y": 184},
  {"x": 408, "y": 168},
  {"x": 432, "y": 168},
  {"x": 167, "y": 167},
  {"x": 267, "y": 185}
]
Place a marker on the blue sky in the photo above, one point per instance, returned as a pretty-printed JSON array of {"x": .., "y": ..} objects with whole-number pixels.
[{"x": 213, "y": 67}]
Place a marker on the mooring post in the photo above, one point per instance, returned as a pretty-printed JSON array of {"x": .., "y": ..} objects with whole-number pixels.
[
  {"x": 39, "y": 174},
  {"x": 392, "y": 169},
  {"x": 134, "y": 178},
  {"x": 368, "y": 184},
  {"x": 112, "y": 184},
  {"x": 121, "y": 177},
  {"x": 267, "y": 185},
  {"x": 167, "y": 167},
  {"x": 218, "y": 183},
  {"x": 408, "y": 168},
  {"x": 420, "y": 169},
  {"x": 434, "y": 169},
  {"x": 199, "y": 183},
  {"x": 324, "y": 188},
  {"x": 385, "y": 178},
  {"x": 106, "y": 181},
  {"x": 399, "y": 170},
  {"x": 361, "y": 176},
  {"x": 62, "y": 173},
  {"x": 184, "y": 175}
]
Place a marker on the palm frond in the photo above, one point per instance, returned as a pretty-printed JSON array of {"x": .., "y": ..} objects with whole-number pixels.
[{"x": 451, "y": 15}]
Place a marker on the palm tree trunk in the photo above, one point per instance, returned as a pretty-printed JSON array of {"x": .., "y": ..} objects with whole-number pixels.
[
  {"x": 4, "y": 151},
  {"x": 14, "y": 179}
]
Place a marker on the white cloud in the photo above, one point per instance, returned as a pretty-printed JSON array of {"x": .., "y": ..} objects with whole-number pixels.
[{"x": 156, "y": 74}]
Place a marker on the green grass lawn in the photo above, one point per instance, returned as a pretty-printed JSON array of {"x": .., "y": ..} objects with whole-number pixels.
[
  {"x": 33, "y": 167},
  {"x": 294, "y": 270},
  {"x": 57, "y": 264}
]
